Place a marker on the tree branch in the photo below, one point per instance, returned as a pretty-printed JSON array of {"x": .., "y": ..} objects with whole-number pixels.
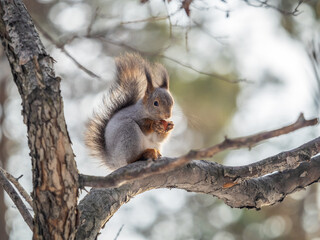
[
  {"x": 153, "y": 18},
  {"x": 127, "y": 174},
  {"x": 18, "y": 186},
  {"x": 67, "y": 53},
  {"x": 17, "y": 200},
  {"x": 213, "y": 75},
  {"x": 217, "y": 76},
  {"x": 252, "y": 140},
  {"x": 266, "y": 4},
  {"x": 210, "y": 178}
]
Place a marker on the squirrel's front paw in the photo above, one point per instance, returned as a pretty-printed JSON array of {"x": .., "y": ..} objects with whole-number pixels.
[
  {"x": 159, "y": 126},
  {"x": 170, "y": 126},
  {"x": 162, "y": 126}
]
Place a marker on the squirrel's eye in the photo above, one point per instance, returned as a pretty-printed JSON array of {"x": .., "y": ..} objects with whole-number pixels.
[{"x": 156, "y": 103}]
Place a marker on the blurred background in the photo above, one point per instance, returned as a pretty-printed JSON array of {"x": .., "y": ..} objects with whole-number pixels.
[{"x": 237, "y": 67}]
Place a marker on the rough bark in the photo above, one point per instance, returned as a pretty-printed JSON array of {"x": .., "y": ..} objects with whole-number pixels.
[
  {"x": 55, "y": 176},
  {"x": 296, "y": 169}
]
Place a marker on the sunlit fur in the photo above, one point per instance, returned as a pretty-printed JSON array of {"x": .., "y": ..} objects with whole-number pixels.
[{"x": 112, "y": 132}]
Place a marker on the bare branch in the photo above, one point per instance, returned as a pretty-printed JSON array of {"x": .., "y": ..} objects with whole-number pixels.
[
  {"x": 118, "y": 233},
  {"x": 92, "y": 21},
  {"x": 157, "y": 53},
  {"x": 17, "y": 200},
  {"x": 313, "y": 50},
  {"x": 186, "y": 37},
  {"x": 234, "y": 175},
  {"x": 209, "y": 178},
  {"x": 169, "y": 19},
  {"x": 280, "y": 162},
  {"x": 128, "y": 47},
  {"x": 250, "y": 141},
  {"x": 207, "y": 32},
  {"x": 150, "y": 19},
  {"x": 266, "y": 4},
  {"x": 124, "y": 45},
  {"x": 216, "y": 76},
  {"x": 15, "y": 182},
  {"x": 127, "y": 174},
  {"x": 66, "y": 52}
]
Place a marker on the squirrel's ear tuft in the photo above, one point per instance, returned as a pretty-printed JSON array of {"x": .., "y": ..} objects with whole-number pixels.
[
  {"x": 150, "y": 87},
  {"x": 163, "y": 75},
  {"x": 165, "y": 81}
]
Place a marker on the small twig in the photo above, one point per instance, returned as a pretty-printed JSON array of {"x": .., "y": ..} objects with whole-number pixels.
[
  {"x": 313, "y": 50},
  {"x": 250, "y": 141},
  {"x": 15, "y": 182},
  {"x": 17, "y": 200},
  {"x": 62, "y": 48},
  {"x": 129, "y": 173},
  {"x": 151, "y": 19},
  {"x": 217, "y": 76},
  {"x": 124, "y": 45},
  {"x": 169, "y": 18},
  {"x": 186, "y": 36},
  {"x": 93, "y": 19},
  {"x": 118, "y": 232},
  {"x": 19, "y": 177},
  {"x": 296, "y": 10},
  {"x": 207, "y": 32},
  {"x": 265, "y": 3}
]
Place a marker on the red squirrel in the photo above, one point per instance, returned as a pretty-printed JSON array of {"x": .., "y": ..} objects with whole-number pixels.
[{"x": 134, "y": 119}]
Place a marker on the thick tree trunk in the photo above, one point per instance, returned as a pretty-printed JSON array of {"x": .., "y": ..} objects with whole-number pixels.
[{"x": 55, "y": 176}]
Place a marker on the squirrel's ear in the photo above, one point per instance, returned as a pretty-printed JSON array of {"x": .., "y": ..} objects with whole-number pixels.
[
  {"x": 163, "y": 74},
  {"x": 165, "y": 80},
  {"x": 150, "y": 87}
]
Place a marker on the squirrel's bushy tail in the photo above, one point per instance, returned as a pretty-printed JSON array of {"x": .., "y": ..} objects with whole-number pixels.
[{"x": 126, "y": 90}]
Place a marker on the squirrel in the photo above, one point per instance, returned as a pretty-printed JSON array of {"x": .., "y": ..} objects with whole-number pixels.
[{"x": 134, "y": 118}]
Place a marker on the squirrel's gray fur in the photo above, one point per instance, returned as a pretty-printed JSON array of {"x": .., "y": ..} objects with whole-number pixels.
[{"x": 113, "y": 134}]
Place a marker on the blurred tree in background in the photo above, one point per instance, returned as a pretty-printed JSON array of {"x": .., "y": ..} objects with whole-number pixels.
[{"x": 236, "y": 67}]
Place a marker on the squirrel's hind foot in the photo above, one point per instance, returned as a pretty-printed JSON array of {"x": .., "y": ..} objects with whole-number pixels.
[{"x": 150, "y": 153}]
